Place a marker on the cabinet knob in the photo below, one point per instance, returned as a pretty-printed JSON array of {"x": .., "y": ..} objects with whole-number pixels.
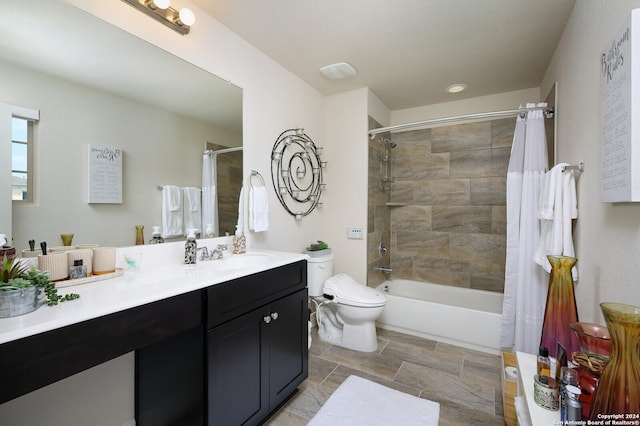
[
  {"x": 274, "y": 315},
  {"x": 267, "y": 319}
]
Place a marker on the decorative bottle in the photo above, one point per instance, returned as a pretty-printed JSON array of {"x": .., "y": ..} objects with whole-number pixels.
[
  {"x": 190, "y": 248},
  {"x": 239, "y": 242},
  {"x": 209, "y": 232},
  {"x": 560, "y": 310},
  {"x": 139, "y": 235},
  {"x": 618, "y": 391}
]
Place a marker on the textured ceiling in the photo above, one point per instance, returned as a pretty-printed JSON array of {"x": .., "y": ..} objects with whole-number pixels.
[{"x": 406, "y": 51}]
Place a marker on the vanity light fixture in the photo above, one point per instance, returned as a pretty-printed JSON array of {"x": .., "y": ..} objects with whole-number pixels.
[
  {"x": 456, "y": 88},
  {"x": 180, "y": 21}
]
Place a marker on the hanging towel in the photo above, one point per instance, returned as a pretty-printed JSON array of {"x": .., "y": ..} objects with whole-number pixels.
[
  {"x": 192, "y": 211},
  {"x": 557, "y": 207},
  {"x": 240, "y": 225},
  {"x": 258, "y": 209},
  {"x": 171, "y": 211}
]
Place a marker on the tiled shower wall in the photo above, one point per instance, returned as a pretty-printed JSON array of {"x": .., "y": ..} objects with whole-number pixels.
[
  {"x": 229, "y": 168},
  {"x": 444, "y": 217}
]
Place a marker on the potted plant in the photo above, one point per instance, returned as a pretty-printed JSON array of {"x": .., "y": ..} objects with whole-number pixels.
[
  {"x": 23, "y": 290},
  {"x": 319, "y": 248}
]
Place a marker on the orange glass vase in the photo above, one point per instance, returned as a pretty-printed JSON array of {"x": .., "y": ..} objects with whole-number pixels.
[
  {"x": 618, "y": 390},
  {"x": 560, "y": 310}
]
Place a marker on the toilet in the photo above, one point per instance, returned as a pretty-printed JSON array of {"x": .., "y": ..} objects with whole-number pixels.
[{"x": 346, "y": 310}]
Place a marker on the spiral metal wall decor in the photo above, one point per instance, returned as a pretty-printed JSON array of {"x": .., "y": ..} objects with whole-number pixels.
[{"x": 296, "y": 172}]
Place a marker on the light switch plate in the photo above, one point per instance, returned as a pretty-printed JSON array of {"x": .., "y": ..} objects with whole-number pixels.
[{"x": 355, "y": 233}]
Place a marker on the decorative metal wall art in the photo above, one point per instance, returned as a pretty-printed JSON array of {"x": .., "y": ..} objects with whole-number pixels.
[{"x": 296, "y": 172}]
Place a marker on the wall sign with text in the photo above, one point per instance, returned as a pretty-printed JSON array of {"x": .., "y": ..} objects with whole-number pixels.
[
  {"x": 105, "y": 175},
  {"x": 620, "y": 115}
]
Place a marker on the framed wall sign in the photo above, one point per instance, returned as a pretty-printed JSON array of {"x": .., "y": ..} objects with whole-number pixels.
[
  {"x": 620, "y": 115},
  {"x": 105, "y": 175}
]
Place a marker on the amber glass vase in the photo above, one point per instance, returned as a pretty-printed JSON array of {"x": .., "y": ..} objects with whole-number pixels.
[
  {"x": 618, "y": 390},
  {"x": 139, "y": 235},
  {"x": 560, "y": 310}
]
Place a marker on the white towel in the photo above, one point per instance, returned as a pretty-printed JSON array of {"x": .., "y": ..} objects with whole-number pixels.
[
  {"x": 192, "y": 213},
  {"x": 171, "y": 211},
  {"x": 240, "y": 225},
  {"x": 258, "y": 209},
  {"x": 556, "y": 208}
]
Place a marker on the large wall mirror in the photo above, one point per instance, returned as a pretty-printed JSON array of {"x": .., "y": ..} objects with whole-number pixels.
[{"x": 95, "y": 84}]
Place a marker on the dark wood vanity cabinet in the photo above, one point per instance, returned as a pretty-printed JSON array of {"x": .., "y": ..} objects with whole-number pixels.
[
  {"x": 246, "y": 359},
  {"x": 257, "y": 358},
  {"x": 256, "y": 361}
]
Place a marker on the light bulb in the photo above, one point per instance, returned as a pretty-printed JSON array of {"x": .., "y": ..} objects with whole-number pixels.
[
  {"x": 161, "y": 4},
  {"x": 187, "y": 17}
]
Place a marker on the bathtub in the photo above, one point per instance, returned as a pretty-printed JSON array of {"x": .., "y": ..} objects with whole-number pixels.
[{"x": 459, "y": 316}]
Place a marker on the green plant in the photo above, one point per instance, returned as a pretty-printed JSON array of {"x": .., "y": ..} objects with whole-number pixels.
[
  {"x": 11, "y": 269},
  {"x": 15, "y": 275},
  {"x": 320, "y": 245}
]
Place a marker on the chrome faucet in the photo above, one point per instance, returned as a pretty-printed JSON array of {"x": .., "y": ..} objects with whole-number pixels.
[
  {"x": 215, "y": 254},
  {"x": 218, "y": 251},
  {"x": 205, "y": 253},
  {"x": 385, "y": 270}
]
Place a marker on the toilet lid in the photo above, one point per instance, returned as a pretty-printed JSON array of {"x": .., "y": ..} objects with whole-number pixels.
[{"x": 346, "y": 290}]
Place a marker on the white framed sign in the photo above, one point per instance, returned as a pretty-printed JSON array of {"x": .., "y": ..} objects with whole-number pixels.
[
  {"x": 620, "y": 115},
  {"x": 105, "y": 175}
]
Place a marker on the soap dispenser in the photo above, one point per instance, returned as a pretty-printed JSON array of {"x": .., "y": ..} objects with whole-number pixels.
[
  {"x": 239, "y": 242},
  {"x": 190, "y": 248},
  {"x": 156, "y": 237}
]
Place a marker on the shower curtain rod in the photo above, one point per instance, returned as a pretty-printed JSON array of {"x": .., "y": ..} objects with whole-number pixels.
[
  {"x": 548, "y": 114},
  {"x": 223, "y": 151}
]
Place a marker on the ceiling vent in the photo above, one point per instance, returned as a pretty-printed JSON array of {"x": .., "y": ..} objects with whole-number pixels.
[{"x": 338, "y": 71}]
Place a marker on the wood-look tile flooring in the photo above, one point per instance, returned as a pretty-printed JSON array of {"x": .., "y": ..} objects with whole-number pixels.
[{"x": 466, "y": 383}]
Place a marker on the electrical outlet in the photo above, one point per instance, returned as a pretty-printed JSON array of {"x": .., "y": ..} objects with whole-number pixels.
[{"x": 354, "y": 233}]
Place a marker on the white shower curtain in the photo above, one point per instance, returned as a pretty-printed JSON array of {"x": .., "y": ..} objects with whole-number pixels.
[
  {"x": 209, "y": 193},
  {"x": 525, "y": 286}
]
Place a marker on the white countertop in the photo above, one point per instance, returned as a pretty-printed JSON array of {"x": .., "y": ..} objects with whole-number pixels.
[
  {"x": 161, "y": 275},
  {"x": 527, "y": 369}
]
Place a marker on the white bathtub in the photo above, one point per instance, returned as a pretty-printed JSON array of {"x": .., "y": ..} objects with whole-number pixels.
[{"x": 459, "y": 316}]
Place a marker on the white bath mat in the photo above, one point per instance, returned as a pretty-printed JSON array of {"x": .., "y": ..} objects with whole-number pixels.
[{"x": 362, "y": 402}]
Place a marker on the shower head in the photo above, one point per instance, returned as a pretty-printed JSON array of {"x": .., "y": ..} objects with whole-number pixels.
[{"x": 388, "y": 141}]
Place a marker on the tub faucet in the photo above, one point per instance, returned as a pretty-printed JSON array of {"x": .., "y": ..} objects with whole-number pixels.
[{"x": 385, "y": 270}]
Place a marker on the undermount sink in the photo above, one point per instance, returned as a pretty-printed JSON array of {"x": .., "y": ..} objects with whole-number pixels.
[{"x": 236, "y": 261}]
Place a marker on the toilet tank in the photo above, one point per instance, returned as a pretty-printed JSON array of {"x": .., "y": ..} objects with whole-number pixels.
[{"x": 319, "y": 269}]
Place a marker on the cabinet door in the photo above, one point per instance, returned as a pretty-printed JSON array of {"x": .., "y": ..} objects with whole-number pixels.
[
  {"x": 238, "y": 376},
  {"x": 288, "y": 346}
]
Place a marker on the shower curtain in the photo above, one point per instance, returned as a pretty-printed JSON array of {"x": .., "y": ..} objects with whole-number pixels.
[
  {"x": 525, "y": 287},
  {"x": 209, "y": 195}
]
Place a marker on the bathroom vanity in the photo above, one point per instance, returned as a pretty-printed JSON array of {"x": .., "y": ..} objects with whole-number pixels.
[{"x": 216, "y": 344}]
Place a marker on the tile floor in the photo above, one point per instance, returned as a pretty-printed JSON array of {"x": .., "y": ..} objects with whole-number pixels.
[{"x": 466, "y": 383}]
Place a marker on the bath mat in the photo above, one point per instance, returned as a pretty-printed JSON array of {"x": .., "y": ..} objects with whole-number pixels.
[{"x": 362, "y": 402}]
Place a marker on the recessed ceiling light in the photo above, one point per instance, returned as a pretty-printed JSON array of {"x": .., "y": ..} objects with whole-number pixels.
[
  {"x": 456, "y": 88},
  {"x": 338, "y": 71}
]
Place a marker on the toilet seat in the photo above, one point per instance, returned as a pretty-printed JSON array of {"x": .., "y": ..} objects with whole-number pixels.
[{"x": 346, "y": 291}]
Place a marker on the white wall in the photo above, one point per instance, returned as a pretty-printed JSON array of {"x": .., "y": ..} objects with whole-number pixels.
[
  {"x": 346, "y": 196},
  {"x": 607, "y": 236}
]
